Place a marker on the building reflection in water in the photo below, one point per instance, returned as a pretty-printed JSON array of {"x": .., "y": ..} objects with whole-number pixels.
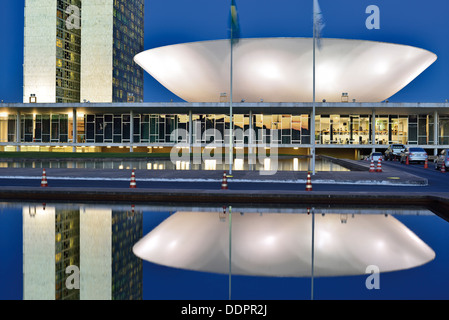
[
  {"x": 282, "y": 164},
  {"x": 280, "y": 244},
  {"x": 96, "y": 240}
]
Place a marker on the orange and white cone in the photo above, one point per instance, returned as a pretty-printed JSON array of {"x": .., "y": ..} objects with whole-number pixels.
[
  {"x": 426, "y": 165},
  {"x": 443, "y": 167},
  {"x": 407, "y": 161},
  {"x": 371, "y": 167},
  {"x": 44, "y": 182},
  {"x": 379, "y": 165},
  {"x": 224, "y": 182},
  {"x": 309, "y": 182},
  {"x": 133, "y": 184}
]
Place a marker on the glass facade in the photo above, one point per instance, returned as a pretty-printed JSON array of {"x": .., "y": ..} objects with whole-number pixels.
[
  {"x": 128, "y": 41},
  {"x": 68, "y": 54},
  {"x": 141, "y": 128}
]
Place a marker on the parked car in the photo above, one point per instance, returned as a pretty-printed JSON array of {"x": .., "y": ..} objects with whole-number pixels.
[
  {"x": 414, "y": 154},
  {"x": 394, "y": 151},
  {"x": 442, "y": 157},
  {"x": 375, "y": 156}
]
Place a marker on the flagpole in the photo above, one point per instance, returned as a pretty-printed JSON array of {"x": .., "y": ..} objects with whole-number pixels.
[
  {"x": 312, "y": 118},
  {"x": 230, "y": 251},
  {"x": 313, "y": 254},
  {"x": 231, "y": 133}
]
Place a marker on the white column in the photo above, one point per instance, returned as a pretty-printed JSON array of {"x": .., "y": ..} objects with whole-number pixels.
[
  {"x": 373, "y": 131},
  {"x": 190, "y": 132},
  {"x": 75, "y": 132},
  {"x": 435, "y": 132},
  {"x": 18, "y": 130},
  {"x": 250, "y": 137},
  {"x": 131, "y": 131}
]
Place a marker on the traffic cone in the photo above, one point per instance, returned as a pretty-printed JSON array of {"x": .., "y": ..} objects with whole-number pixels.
[
  {"x": 309, "y": 182},
  {"x": 224, "y": 182},
  {"x": 371, "y": 167},
  {"x": 379, "y": 165},
  {"x": 426, "y": 165},
  {"x": 406, "y": 161},
  {"x": 443, "y": 167},
  {"x": 132, "y": 184},
  {"x": 44, "y": 182}
]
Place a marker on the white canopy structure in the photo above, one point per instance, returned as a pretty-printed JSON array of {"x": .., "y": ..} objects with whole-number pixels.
[
  {"x": 280, "y": 69},
  {"x": 280, "y": 244}
]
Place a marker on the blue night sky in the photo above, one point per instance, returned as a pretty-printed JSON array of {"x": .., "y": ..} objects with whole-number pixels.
[{"x": 417, "y": 23}]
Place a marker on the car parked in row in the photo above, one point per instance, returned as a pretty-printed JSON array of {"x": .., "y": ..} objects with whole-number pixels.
[
  {"x": 414, "y": 154},
  {"x": 375, "y": 156},
  {"x": 442, "y": 157},
  {"x": 394, "y": 151}
]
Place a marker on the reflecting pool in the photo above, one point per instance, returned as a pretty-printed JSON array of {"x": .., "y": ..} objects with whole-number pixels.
[
  {"x": 286, "y": 164},
  {"x": 97, "y": 251}
]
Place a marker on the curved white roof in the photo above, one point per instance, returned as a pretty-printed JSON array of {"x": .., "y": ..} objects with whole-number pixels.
[
  {"x": 279, "y": 244},
  {"x": 280, "y": 69}
]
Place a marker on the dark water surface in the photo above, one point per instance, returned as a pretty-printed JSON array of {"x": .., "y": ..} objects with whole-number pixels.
[{"x": 183, "y": 252}]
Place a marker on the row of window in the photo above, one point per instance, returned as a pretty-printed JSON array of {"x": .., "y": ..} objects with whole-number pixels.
[{"x": 285, "y": 129}]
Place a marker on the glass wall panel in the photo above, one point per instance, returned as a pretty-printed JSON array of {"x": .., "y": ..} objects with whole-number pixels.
[
  {"x": 325, "y": 129},
  {"x": 145, "y": 128},
  {"x": 430, "y": 129},
  {"x": 99, "y": 125},
  {"x": 444, "y": 130},
  {"x": 355, "y": 133},
  {"x": 126, "y": 127},
  {"x": 305, "y": 129},
  {"x": 286, "y": 127},
  {"x": 382, "y": 130},
  {"x": 154, "y": 130},
  {"x": 3, "y": 128},
  {"x": 239, "y": 124},
  {"x": 38, "y": 128},
  {"x": 412, "y": 129},
  {"x": 422, "y": 130},
  {"x": 365, "y": 129},
  {"x": 12, "y": 121},
  {"x": 27, "y": 128},
  {"x": 117, "y": 137},
  {"x": 220, "y": 127},
  {"x": 63, "y": 128},
  {"x": 296, "y": 129},
  {"x": 136, "y": 129},
  {"x": 45, "y": 128},
  {"x": 170, "y": 126},
  {"x": 90, "y": 128}
]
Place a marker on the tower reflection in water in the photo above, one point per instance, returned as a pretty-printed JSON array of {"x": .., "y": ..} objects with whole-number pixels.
[{"x": 96, "y": 241}]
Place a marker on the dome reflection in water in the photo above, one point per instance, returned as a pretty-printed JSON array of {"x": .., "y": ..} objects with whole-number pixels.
[{"x": 280, "y": 244}]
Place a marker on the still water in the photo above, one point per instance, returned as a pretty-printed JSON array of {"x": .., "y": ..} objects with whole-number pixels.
[
  {"x": 88, "y": 251},
  {"x": 290, "y": 164}
]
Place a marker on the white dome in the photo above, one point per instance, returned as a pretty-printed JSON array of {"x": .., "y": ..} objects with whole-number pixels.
[{"x": 280, "y": 69}]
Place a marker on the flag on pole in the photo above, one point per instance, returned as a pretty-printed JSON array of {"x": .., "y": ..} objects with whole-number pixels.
[
  {"x": 234, "y": 22},
  {"x": 318, "y": 22}
]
